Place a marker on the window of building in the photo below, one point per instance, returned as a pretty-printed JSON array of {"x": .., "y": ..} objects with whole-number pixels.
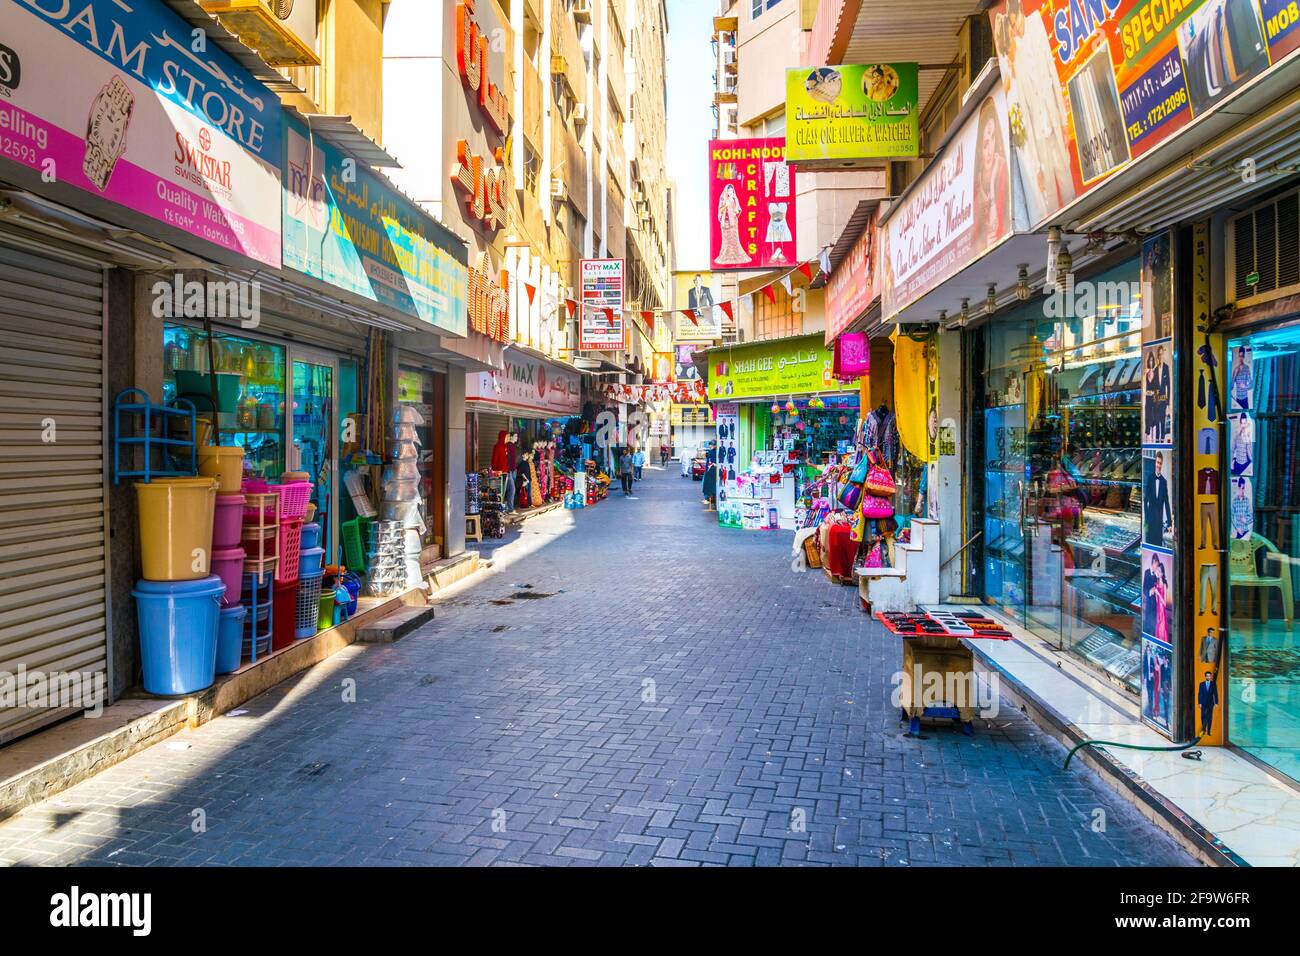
[
  {"x": 532, "y": 169},
  {"x": 776, "y": 320},
  {"x": 758, "y": 6}
]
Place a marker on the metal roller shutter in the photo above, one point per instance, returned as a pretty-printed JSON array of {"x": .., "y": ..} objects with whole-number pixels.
[
  {"x": 53, "y": 585},
  {"x": 489, "y": 424}
]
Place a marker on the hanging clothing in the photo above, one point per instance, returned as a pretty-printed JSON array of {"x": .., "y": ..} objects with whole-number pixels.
[
  {"x": 911, "y": 393},
  {"x": 501, "y": 453}
]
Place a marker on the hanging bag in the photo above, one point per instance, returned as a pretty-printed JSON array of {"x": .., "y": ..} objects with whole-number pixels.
[
  {"x": 850, "y": 496},
  {"x": 879, "y": 481},
  {"x": 860, "y": 471},
  {"x": 876, "y": 508}
]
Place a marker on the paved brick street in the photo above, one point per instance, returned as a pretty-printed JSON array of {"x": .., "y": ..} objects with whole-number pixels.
[{"x": 662, "y": 692}]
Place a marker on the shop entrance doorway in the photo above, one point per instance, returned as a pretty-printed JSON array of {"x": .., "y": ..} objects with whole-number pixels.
[{"x": 312, "y": 437}]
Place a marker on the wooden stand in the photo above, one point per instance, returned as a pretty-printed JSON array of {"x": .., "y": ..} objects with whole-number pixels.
[{"x": 937, "y": 666}]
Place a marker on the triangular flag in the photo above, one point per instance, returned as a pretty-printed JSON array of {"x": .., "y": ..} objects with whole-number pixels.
[
  {"x": 824, "y": 260},
  {"x": 572, "y": 306},
  {"x": 609, "y": 314},
  {"x": 806, "y": 269},
  {"x": 690, "y": 314},
  {"x": 770, "y": 293},
  {"x": 649, "y": 319},
  {"x": 532, "y": 292},
  {"x": 726, "y": 308},
  {"x": 789, "y": 287}
]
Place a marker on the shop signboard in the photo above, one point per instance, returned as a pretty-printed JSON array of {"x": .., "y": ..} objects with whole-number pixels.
[
  {"x": 751, "y": 204},
  {"x": 528, "y": 384},
  {"x": 854, "y": 284},
  {"x": 112, "y": 100},
  {"x": 837, "y": 113},
  {"x": 700, "y": 293},
  {"x": 1095, "y": 85},
  {"x": 347, "y": 226},
  {"x": 957, "y": 211},
  {"x": 781, "y": 367},
  {"x": 600, "y": 302}
]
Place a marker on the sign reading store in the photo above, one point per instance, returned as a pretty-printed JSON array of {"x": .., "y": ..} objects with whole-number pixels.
[{"x": 481, "y": 178}]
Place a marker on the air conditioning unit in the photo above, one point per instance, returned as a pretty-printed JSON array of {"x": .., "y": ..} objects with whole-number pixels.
[
  {"x": 582, "y": 10},
  {"x": 580, "y": 114},
  {"x": 558, "y": 189},
  {"x": 283, "y": 32},
  {"x": 1264, "y": 251}
]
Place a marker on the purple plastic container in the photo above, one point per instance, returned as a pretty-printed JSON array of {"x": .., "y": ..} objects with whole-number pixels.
[
  {"x": 228, "y": 565},
  {"x": 227, "y": 521}
]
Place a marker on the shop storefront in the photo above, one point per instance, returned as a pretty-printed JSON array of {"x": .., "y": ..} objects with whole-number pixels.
[
  {"x": 778, "y": 409},
  {"x": 1058, "y": 469}
]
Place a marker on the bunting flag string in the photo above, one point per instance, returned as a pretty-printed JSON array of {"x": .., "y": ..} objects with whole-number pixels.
[
  {"x": 532, "y": 292},
  {"x": 808, "y": 269}
]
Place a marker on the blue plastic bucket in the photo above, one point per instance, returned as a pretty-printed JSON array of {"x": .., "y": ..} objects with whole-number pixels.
[
  {"x": 309, "y": 562},
  {"x": 178, "y": 633},
  {"x": 310, "y": 536},
  {"x": 230, "y": 638}
]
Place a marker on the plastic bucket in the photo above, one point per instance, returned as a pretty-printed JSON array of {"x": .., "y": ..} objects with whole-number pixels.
[
  {"x": 225, "y": 463},
  {"x": 310, "y": 561},
  {"x": 284, "y": 609},
  {"x": 228, "y": 564},
  {"x": 310, "y": 536},
  {"x": 227, "y": 521},
  {"x": 175, "y": 523},
  {"x": 230, "y": 638},
  {"x": 178, "y": 633},
  {"x": 325, "y": 618}
]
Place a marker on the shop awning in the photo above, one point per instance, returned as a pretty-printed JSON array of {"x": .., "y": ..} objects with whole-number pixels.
[
  {"x": 218, "y": 35},
  {"x": 1200, "y": 169},
  {"x": 348, "y": 139}
]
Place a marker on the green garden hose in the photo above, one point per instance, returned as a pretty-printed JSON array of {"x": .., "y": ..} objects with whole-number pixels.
[{"x": 1113, "y": 743}]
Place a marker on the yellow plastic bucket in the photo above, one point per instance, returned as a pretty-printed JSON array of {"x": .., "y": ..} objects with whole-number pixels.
[
  {"x": 175, "y": 526},
  {"x": 224, "y": 463}
]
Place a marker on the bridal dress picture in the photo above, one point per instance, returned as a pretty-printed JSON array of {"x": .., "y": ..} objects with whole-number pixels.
[{"x": 730, "y": 253}]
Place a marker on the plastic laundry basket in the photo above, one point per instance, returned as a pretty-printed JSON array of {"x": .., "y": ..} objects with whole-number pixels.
[
  {"x": 178, "y": 633},
  {"x": 175, "y": 521},
  {"x": 230, "y": 638},
  {"x": 308, "y": 609}
]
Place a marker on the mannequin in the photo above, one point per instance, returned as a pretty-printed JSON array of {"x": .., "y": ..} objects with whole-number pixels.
[
  {"x": 501, "y": 453},
  {"x": 523, "y": 482},
  {"x": 534, "y": 486},
  {"x": 509, "y": 469}
]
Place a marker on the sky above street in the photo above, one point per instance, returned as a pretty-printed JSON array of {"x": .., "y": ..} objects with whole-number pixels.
[{"x": 690, "y": 124}]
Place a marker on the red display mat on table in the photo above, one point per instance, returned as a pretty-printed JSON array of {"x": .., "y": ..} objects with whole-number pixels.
[{"x": 952, "y": 625}]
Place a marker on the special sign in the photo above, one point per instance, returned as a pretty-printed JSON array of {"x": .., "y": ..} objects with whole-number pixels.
[{"x": 472, "y": 49}]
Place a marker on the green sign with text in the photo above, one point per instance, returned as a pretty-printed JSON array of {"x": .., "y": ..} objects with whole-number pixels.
[
  {"x": 797, "y": 366},
  {"x": 842, "y": 113}
]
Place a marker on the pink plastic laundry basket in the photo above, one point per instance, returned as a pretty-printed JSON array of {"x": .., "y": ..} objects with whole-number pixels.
[
  {"x": 286, "y": 571},
  {"x": 294, "y": 496}
]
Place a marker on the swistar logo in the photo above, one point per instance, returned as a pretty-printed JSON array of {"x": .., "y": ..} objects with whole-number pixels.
[
  {"x": 199, "y": 166},
  {"x": 205, "y": 139}
]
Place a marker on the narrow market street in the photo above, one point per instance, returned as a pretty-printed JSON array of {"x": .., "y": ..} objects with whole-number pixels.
[{"x": 672, "y": 696}]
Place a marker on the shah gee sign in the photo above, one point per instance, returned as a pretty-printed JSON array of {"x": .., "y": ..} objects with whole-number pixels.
[
  {"x": 112, "y": 99},
  {"x": 835, "y": 113},
  {"x": 780, "y": 367}
]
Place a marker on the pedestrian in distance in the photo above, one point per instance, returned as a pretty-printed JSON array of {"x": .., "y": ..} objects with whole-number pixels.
[
  {"x": 625, "y": 471},
  {"x": 663, "y": 456},
  {"x": 638, "y": 462}
]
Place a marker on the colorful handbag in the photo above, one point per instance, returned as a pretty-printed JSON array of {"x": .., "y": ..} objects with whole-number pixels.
[
  {"x": 860, "y": 471},
  {"x": 859, "y": 529},
  {"x": 875, "y": 507},
  {"x": 850, "y": 495},
  {"x": 852, "y": 358},
  {"x": 875, "y": 557},
  {"x": 879, "y": 481}
]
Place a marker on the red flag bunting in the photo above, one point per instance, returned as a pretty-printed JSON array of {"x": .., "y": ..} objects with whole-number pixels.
[
  {"x": 727, "y": 309},
  {"x": 572, "y": 306},
  {"x": 806, "y": 269},
  {"x": 609, "y": 314},
  {"x": 532, "y": 292},
  {"x": 770, "y": 293},
  {"x": 690, "y": 314},
  {"x": 649, "y": 319}
]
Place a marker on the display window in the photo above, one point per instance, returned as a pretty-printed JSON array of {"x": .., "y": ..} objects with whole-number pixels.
[
  {"x": 424, "y": 391},
  {"x": 250, "y": 390},
  {"x": 1261, "y": 471},
  {"x": 1061, "y": 470}
]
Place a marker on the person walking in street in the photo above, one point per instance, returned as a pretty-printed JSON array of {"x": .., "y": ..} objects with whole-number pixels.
[
  {"x": 625, "y": 471},
  {"x": 638, "y": 462},
  {"x": 663, "y": 456}
]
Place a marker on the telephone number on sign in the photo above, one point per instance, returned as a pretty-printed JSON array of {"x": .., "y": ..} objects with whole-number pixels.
[
  {"x": 1175, "y": 101},
  {"x": 20, "y": 151}
]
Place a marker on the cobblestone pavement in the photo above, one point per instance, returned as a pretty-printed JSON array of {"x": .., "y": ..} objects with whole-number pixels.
[{"x": 629, "y": 685}]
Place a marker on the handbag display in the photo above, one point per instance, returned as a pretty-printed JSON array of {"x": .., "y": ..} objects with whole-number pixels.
[
  {"x": 879, "y": 481},
  {"x": 875, "y": 557},
  {"x": 850, "y": 495},
  {"x": 860, "y": 471},
  {"x": 875, "y": 507}
]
